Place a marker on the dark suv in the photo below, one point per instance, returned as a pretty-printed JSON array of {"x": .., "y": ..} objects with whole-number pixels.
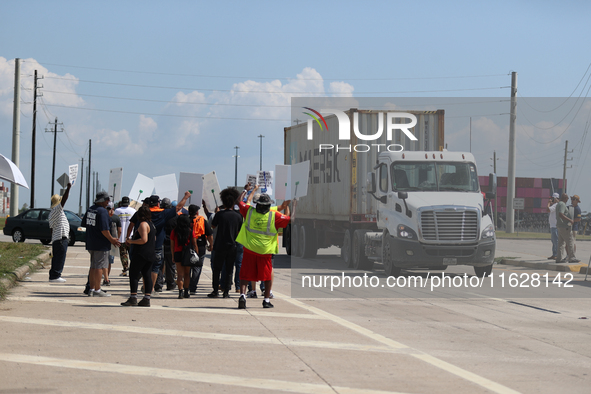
[{"x": 34, "y": 224}]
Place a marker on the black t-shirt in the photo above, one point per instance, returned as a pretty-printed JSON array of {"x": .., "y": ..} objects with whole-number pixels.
[{"x": 227, "y": 223}]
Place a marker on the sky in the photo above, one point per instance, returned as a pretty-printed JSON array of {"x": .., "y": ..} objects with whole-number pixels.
[{"x": 170, "y": 87}]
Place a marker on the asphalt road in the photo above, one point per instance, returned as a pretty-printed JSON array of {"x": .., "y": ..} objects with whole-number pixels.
[{"x": 457, "y": 339}]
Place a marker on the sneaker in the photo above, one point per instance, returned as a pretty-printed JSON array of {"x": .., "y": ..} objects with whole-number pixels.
[
  {"x": 124, "y": 273},
  {"x": 57, "y": 280},
  {"x": 106, "y": 283},
  {"x": 242, "y": 302},
  {"x": 87, "y": 292},
  {"x": 226, "y": 294},
  {"x": 213, "y": 294},
  {"x": 130, "y": 302},
  {"x": 267, "y": 304},
  {"x": 193, "y": 292},
  {"x": 237, "y": 289},
  {"x": 552, "y": 258},
  {"x": 252, "y": 294},
  {"x": 158, "y": 290},
  {"x": 170, "y": 288},
  {"x": 144, "y": 302},
  {"x": 186, "y": 293},
  {"x": 100, "y": 293},
  {"x": 271, "y": 294},
  {"x": 570, "y": 261}
]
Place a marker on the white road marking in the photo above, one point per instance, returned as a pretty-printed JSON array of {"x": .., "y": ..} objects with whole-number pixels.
[
  {"x": 211, "y": 378},
  {"x": 200, "y": 335},
  {"x": 196, "y": 309},
  {"x": 450, "y": 368}
]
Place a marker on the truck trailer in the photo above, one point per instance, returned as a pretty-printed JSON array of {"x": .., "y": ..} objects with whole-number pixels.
[{"x": 402, "y": 202}]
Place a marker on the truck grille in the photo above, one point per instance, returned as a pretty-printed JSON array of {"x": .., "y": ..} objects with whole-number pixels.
[{"x": 449, "y": 225}]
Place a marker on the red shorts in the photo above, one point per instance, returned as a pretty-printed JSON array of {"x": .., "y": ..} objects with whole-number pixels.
[{"x": 256, "y": 266}]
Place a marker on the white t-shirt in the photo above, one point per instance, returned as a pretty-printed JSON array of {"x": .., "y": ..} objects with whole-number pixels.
[
  {"x": 125, "y": 214},
  {"x": 552, "y": 215}
]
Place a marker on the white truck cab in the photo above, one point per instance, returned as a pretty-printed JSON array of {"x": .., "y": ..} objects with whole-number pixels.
[{"x": 431, "y": 212}]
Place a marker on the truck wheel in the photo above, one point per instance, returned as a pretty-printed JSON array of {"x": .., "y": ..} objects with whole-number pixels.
[
  {"x": 71, "y": 239},
  {"x": 295, "y": 236},
  {"x": 18, "y": 235},
  {"x": 46, "y": 241},
  {"x": 360, "y": 260},
  {"x": 307, "y": 242},
  {"x": 346, "y": 249},
  {"x": 483, "y": 271},
  {"x": 388, "y": 257}
]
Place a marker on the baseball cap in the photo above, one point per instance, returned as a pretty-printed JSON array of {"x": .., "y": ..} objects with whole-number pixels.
[
  {"x": 154, "y": 200},
  {"x": 125, "y": 201},
  {"x": 165, "y": 203},
  {"x": 263, "y": 199},
  {"x": 110, "y": 205},
  {"x": 555, "y": 195},
  {"x": 576, "y": 197},
  {"x": 102, "y": 197}
]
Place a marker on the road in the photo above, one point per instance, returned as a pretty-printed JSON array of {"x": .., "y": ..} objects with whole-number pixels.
[{"x": 460, "y": 340}]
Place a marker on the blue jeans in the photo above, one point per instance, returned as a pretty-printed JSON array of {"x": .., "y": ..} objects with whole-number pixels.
[
  {"x": 554, "y": 238},
  {"x": 58, "y": 249}
]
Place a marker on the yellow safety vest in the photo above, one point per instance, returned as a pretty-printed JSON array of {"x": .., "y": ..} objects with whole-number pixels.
[{"x": 258, "y": 232}]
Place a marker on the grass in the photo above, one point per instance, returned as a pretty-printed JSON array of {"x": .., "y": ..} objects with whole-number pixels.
[
  {"x": 14, "y": 255},
  {"x": 2, "y": 222}
]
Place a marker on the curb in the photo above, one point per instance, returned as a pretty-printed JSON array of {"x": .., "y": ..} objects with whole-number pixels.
[
  {"x": 578, "y": 268},
  {"x": 22, "y": 271}
]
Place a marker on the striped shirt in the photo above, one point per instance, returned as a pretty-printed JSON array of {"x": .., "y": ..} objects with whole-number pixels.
[{"x": 58, "y": 223}]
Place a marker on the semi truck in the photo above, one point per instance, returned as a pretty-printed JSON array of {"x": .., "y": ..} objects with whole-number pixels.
[{"x": 405, "y": 202}]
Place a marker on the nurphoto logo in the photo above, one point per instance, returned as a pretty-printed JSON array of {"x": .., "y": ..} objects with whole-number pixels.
[{"x": 345, "y": 129}]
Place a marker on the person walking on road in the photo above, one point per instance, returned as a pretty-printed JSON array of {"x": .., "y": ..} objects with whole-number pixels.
[
  {"x": 143, "y": 255},
  {"x": 60, "y": 231},
  {"x": 552, "y": 202},
  {"x": 181, "y": 237},
  {"x": 576, "y": 215},
  {"x": 125, "y": 213}
]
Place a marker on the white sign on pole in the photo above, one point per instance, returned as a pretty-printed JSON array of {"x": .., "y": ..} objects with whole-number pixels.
[
  {"x": 192, "y": 183},
  {"x": 282, "y": 177},
  {"x": 142, "y": 188},
  {"x": 211, "y": 190},
  {"x": 166, "y": 186},
  {"x": 73, "y": 173},
  {"x": 298, "y": 183},
  {"x": 115, "y": 180},
  {"x": 265, "y": 182},
  {"x": 518, "y": 203}
]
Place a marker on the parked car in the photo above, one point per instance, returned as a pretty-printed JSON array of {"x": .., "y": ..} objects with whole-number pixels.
[{"x": 34, "y": 224}]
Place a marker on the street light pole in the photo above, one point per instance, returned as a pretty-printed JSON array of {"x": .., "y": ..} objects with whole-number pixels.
[
  {"x": 261, "y": 137},
  {"x": 236, "y": 167}
]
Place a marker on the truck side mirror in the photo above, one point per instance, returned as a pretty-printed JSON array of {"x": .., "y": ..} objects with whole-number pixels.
[
  {"x": 492, "y": 186},
  {"x": 371, "y": 183},
  {"x": 402, "y": 195}
]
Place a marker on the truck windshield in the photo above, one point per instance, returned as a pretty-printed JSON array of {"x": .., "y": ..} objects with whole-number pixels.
[{"x": 434, "y": 176}]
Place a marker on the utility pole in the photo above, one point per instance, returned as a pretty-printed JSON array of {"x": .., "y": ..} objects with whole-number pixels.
[
  {"x": 261, "y": 137},
  {"x": 81, "y": 180},
  {"x": 496, "y": 198},
  {"x": 16, "y": 131},
  {"x": 510, "y": 217},
  {"x": 88, "y": 179},
  {"x": 236, "y": 167},
  {"x": 470, "y": 134},
  {"x": 94, "y": 183},
  {"x": 55, "y": 130},
  {"x": 34, "y": 138},
  {"x": 566, "y": 152}
]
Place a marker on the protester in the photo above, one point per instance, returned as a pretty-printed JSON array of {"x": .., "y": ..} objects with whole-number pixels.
[
  {"x": 98, "y": 242},
  {"x": 169, "y": 266},
  {"x": 124, "y": 212},
  {"x": 204, "y": 237},
  {"x": 552, "y": 202},
  {"x": 181, "y": 237},
  {"x": 60, "y": 231},
  {"x": 228, "y": 223},
  {"x": 142, "y": 257},
  {"x": 115, "y": 228},
  {"x": 259, "y": 237},
  {"x": 565, "y": 235}
]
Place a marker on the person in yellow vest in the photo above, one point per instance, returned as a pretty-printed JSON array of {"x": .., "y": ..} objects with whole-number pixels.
[{"x": 258, "y": 235}]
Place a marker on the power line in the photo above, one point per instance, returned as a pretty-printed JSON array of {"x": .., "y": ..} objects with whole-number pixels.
[
  {"x": 265, "y": 92},
  {"x": 273, "y": 78}
]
